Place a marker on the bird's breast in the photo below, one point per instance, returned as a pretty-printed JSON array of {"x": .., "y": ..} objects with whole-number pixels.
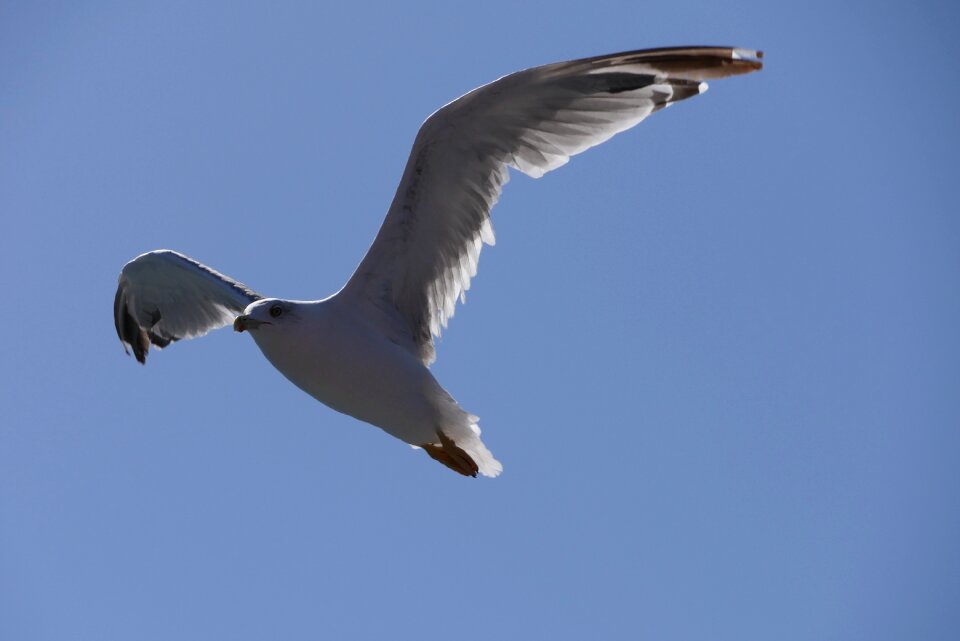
[{"x": 355, "y": 370}]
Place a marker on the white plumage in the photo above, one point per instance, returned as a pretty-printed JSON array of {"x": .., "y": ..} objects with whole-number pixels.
[{"x": 378, "y": 332}]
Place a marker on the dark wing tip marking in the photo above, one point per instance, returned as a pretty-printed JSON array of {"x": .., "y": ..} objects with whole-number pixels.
[
  {"x": 131, "y": 333},
  {"x": 614, "y": 82},
  {"x": 128, "y": 330},
  {"x": 706, "y": 62}
]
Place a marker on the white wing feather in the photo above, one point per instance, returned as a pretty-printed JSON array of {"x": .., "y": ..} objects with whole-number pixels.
[
  {"x": 164, "y": 296},
  {"x": 427, "y": 249}
]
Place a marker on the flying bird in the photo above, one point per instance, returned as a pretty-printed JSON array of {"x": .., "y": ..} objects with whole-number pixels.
[{"x": 365, "y": 350}]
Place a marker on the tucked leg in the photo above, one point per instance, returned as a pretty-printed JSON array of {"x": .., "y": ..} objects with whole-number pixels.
[{"x": 450, "y": 455}]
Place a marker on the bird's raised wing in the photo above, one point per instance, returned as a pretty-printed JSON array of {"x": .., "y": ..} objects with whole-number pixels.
[
  {"x": 164, "y": 296},
  {"x": 427, "y": 249}
]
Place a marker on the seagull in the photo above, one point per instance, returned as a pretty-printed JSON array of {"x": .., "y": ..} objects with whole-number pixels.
[{"x": 365, "y": 351}]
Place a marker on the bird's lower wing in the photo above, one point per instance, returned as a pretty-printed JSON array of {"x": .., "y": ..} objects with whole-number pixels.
[{"x": 163, "y": 296}]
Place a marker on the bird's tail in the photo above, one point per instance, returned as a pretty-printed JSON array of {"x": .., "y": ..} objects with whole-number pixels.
[
  {"x": 465, "y": 456},
  {"x": 458, "y": 444}
]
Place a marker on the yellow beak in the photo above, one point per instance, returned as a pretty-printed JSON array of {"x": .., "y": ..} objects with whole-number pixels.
[{"x": 245, "y": 322}]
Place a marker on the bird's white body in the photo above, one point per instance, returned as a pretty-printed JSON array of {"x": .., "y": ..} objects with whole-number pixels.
[
  {"x": 332, "y": 351},
  {"x": 337, "y": 358},
  {"x": 365, "y": 351}
]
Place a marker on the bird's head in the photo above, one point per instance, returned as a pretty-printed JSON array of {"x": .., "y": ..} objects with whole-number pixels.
[{"x": 269, "y": 312}]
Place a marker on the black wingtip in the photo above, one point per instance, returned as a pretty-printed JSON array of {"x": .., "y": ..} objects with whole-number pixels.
[
  {"x": 129, "y": 332},
  {"x": 141, "y": 346}
]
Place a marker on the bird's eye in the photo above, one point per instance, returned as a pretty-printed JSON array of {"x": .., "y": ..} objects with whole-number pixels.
[{"x": 275, "y": 311}]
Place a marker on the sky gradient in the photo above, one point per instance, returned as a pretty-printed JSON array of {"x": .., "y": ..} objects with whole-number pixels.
[{"x": 718, "y": 355}]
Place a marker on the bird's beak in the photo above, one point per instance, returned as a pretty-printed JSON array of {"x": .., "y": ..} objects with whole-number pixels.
[{"x": 245, "y": 322}]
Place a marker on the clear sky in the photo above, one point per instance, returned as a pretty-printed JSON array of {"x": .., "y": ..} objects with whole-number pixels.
[{"x": 718, "y": 356}]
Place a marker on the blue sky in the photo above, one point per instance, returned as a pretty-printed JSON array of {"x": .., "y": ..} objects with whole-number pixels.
[{"x": 717, "y": 356}]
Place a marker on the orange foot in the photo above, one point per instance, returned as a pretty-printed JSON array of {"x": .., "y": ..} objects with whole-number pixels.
[{"x": 452, "y": 456}]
